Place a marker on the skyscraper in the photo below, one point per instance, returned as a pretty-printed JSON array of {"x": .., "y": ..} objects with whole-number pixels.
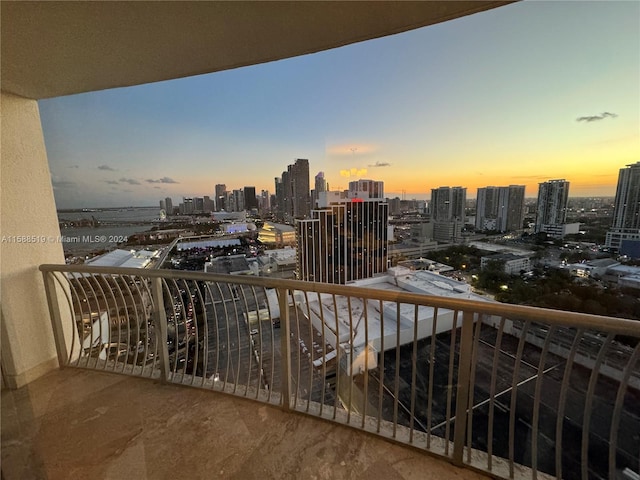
[
  {"x": 500, "y": 208},
  {"x": 236, "y": 201},
  {"x": 626, "y": 213},
  {"x": 366, "y": 189},
  {"x": 320, "y": 183},
  {"x": 219, "y": 199},
  {"x": 264, "y": 201},
  {"x": 278, "y": 204},
  {"x": 250, "y": 200},
  {"x": 168, "y": 202},
  {"x": 448, "y": 213},
  {"x": 448, "y": 203},
  {"x": 552, "y": 205},
  {"x": 343, "y": 241},
  {"x": 292, "y": 192},
  {"x": 320, "y": 186},
  {"x": 299, "y": 177},
  {"x": 208, "y": 204}
]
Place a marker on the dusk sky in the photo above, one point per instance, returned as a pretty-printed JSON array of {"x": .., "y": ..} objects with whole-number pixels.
[{"x": 517, "y": 95}]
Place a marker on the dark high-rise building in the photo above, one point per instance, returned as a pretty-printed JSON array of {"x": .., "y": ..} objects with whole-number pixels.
[
  {"x": 250, "y": 200},
  {"x": 292, "y": 192},
  {"x": 448, "y": 203},
  {"x": 344, "y": 241},
  {"x": 626, "y": 213},
  {"x": 168, "y": 202},
  {"x": 278, "y": 202},
  {"x": 264, "y": 201},
  {"x": 186, "y": 205},
  {"x": 208, "y": 204},
  {"x": 500, "y": 208},
  {"x": 220, "y": 188},
  {"x": 552, "y": 204},
  {"x": 299, "y": 177},
  {"x": 287, "y": 205}
]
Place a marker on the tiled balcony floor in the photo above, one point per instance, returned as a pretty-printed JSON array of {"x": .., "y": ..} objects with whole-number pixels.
[{"x": 74, "y": 424}]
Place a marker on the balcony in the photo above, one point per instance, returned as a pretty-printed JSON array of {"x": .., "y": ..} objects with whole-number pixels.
[
  {"x": 84, "y": 424},
  {"x": 513, "y": 392}
]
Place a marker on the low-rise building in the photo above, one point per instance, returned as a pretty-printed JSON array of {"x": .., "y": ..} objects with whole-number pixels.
[
  {"x": 591, "y": 269},
  {"x": 354, "y": 325},
  {"x": 622, "y": 275},
  {"x": 513, "y": 264},
  {"x": 125, "y": 258},
  {"x": 560, "y": 230},
  {"x": 277, "y": 234}
]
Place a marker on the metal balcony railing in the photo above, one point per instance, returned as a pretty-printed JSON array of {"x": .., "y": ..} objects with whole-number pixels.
[{"x": 517, "y": 392}]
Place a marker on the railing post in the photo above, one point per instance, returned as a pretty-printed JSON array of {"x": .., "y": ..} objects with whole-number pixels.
[
  {"x": 285, "y": 347},
  {"x": 160, "y": 324},
  {"x": 62, "y": 348},
  {"x": 463, "y": 386}
]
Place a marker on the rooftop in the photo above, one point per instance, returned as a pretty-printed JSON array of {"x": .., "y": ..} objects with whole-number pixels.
[
  {"x": 124, "y": 258},
  {"x": 278, "y": 226},
  {"x": 116, "y": 426},
  {"x": 375, "y": 323}
]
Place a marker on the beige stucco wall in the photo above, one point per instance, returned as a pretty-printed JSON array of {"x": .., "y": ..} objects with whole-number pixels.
[{"x": 27, "y": 209}]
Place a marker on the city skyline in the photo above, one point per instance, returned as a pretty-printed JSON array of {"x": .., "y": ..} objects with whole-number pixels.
[{"x": 521, "y": 94}]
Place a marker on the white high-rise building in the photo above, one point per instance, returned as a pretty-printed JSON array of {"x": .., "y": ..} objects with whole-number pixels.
[{"x": 626, "y": 213}]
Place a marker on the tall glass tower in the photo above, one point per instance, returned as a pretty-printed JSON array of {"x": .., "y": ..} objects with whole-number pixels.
[{"x": 626, "y": 213}]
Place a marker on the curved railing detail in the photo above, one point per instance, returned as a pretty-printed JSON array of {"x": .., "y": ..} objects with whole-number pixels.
[{"x": 514, "y": 391}]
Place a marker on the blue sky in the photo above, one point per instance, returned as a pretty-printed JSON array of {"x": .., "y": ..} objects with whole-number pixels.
[{"x": 489, "y": 99}]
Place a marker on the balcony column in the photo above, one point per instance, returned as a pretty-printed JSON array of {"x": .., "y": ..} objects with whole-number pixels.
[{"x": 29, "y": 237}]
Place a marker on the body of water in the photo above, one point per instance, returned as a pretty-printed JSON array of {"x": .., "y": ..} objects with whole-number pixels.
[
  {"x": 115, "y": 215},
  {"x": 113, "y": 226}
]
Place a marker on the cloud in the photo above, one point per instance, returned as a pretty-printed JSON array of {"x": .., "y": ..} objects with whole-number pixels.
[
  {"x": 111, "y": 182},
  {"x": 73, "y": 166},
  {"x": 380, "y": 164},
  {"x": 353, "y": 172},
  {"x": 130, "y": 181},
  {"x": 162, "y": 180},
  {"x": 106, "y": 167},
  {"x": 595, "y": 118}
]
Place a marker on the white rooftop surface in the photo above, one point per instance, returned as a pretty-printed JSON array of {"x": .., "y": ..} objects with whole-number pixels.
[
  {"x": 496, "y": 247},
  {"x": 124, "y": 258},
  {"x": 282, "y": 255},
  {"x": 623, "y": 270},
  {"x": 365, "y": 317},
  {"x": 631, "y": 280}
]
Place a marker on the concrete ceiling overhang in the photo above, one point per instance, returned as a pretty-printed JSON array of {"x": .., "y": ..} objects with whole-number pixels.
[{"x": 52, "y": 48}]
